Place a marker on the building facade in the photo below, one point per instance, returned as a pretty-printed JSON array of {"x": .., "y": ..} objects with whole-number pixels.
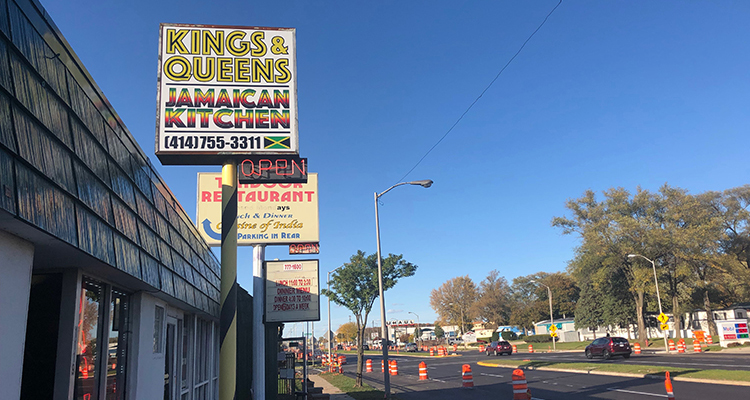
[{"x": 107, "y": 289}]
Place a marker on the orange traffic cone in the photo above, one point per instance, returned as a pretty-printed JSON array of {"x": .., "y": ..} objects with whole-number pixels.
[
  {"x": 668, "y": 386},
  {"x": 368, "y": 365},
  {"x": 382, "y": 366},
  {"x": 422, "y": 371},
  {"x": 520, "y": 387},
  {"x": 466, "y": 376}
]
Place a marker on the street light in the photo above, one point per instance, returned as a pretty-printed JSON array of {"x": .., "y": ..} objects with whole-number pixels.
[
  {"x": 330, "y": 334},
  {"x": 658, "y": 298},
  {"x": 383, "y": 329},
  {"x": 416, "y": 333},
  {"x": 551, "y": 318}
]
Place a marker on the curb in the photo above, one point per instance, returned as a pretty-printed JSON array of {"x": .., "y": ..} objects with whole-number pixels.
[{"x": 624, "y": 374}]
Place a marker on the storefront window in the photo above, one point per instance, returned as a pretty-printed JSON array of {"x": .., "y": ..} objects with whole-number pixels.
[
  {"x": 89, "y": 309},
  {"x": 103, "y": 318},
  {"x": 118, "y": 345}
]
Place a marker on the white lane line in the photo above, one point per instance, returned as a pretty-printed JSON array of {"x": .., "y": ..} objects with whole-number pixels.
[
  {"x": 634, "y": 392},
  {"x": 437, "y": 380},
  {"x": 492, "y": 375}
]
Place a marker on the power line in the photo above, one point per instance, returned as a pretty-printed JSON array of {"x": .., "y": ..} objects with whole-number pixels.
[{"x": 481, "y": 94}]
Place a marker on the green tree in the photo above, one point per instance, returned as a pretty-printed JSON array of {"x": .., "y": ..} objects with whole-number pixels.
[
  {"x": 494, "y": 299},
  {"x": 355, "y": 287},
  {"x": 439, "y": 332}
]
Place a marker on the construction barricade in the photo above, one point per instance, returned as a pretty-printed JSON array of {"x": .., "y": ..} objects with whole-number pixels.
[
  {"x": 531, "y": 348},
  {"x": 697, "y": 346},
  {"x": 394, "y": 367},
  {"x": 515, "y": 349},
  {"x": 368, "y": 365},
  {"x": 432, "y": 352},
  {"x": 520, "y": 386},
  {"x": 680, "y": 346},
  {"x": 382, "y": 366},
  {"x": 466, "y": 376},
  {"x": 342, "y": 360},
  {"x": 422, "y": 371},
  {"x": 709, "y": 339},
  {"x": 668, "y": 386},
  {"x": 481, "y": 348},
  {"x": 671, "y": 345},
  {"x": 637, "y": 348}
]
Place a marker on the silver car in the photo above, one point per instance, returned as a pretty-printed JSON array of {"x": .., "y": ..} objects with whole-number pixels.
[{"x": 411, "y": 347}]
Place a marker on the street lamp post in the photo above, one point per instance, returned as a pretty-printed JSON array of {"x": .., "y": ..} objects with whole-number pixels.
[
  {"x": 551, "y": 318},
  {"x": 658, "y": 298},
  {"x": 330, "y": 334},
  {"x": 383, "y": 329},
  {"x": 416, "y": 333}
]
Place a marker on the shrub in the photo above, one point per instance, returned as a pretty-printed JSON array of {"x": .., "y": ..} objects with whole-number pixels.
[
  {"x": 537, "y": 339},
  {"x": 509, "y": 335},
  {"x": 495, "y": 337},
  {"x": 521, "y": 336}
]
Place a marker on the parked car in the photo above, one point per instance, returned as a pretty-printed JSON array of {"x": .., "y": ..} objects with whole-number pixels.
[
  {"x": 411, "y": 347},
  {"x": 455, "y": 340},
  {"x": 499, "y": 347},
  {"x": 608, "y": 347},
  {"x": 365, "y": 347}
]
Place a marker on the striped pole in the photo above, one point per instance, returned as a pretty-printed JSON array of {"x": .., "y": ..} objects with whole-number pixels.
[{"x": 228, "y": 313}]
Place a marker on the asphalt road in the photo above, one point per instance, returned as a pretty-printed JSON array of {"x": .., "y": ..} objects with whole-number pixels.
[
  {"x": 445, "y": 381},
  {"x": 716, "y": 360}
]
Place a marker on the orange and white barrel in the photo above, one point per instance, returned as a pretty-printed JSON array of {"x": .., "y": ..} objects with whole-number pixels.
[
  {"x": 423, "y": 371},
  {"x": 531, "y": 348},
  {"x": 637, "y": 348},
  {"x": 671, "y": 345},
  {"x": 481, "y": 348},
  {"x": 455, "y": 348},
  {"x": 432, "y": 351},
  {"x": 697, "y": 346},
  {"x": 382, "y": 366},
  {"x": 515, "y": 349},
  {"x": 520, "y": 386},
  {"x": 368, "y": 365},
  {"x": 709, "y": 339},
  {"x": 441, "y": 351},
  {"x": 466, "y": 377},
  {"x": 394, "y": 367}
]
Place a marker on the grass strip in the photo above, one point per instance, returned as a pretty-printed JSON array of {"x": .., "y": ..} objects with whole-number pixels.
[
  {"x": 346, "y": 384},
  {"x": 717, "y": 374}
]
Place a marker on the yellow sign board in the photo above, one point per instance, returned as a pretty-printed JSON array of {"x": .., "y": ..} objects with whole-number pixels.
[
  {"x": 274, "y": 213},
  {"x": 553, "y": 328},
  {"x": 664, "y": 327},
  {"x": 663, "y": 318},
  {"x": 553, "y": 334}
]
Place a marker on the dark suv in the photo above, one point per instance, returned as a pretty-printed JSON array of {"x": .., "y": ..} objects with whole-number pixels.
[
  {"x": 499, "y": 348},
  {"x": 607, "y": 347}
]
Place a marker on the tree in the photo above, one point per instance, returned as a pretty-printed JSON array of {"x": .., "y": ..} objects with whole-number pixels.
[
  {"x": 494, "y": 299},
  {"x": 347, "y": 332},
  {"x": 454, "y": 301},
  {"x": 439, "y": 332},
  {"x": 355, "y": 287}
]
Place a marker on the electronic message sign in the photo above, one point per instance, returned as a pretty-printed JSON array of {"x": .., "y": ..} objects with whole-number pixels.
[
  {"x": 275, "y": 213},
  {"x": 292, "y": 291},
  {"x": 225, "y": 92}
]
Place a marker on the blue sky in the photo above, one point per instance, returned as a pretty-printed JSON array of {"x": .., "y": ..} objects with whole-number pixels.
[{"x": 608, "y": 93}]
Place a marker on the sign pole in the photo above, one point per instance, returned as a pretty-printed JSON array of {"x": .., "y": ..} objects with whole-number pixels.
[
  {"x": 259, "y": 332},
  {"x": 228, "y": 314}
]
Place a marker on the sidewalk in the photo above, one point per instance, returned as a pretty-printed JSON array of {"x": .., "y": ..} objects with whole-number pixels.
[{"x": 335, "y": 393}]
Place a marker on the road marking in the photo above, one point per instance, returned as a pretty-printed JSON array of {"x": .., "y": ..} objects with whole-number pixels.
[
  {"x": 437, "y": 380},
  {"x": 634, "y": 392},
  {"x": 492, "y": 375}
]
